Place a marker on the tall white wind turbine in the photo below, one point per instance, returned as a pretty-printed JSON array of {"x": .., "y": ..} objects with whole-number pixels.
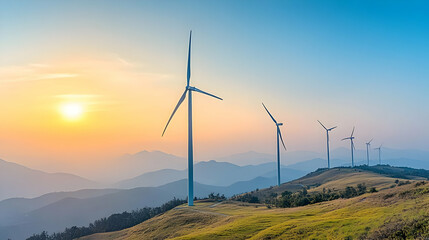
[
  {"x": 188, "y": 90},
  {"x": 352, "y": 145},
  {"x": 327, "y": 141},
  {"x": 368, "y": 146},
  {"x": 279, "y": 137},
  {"x": 379, "y": 154}
]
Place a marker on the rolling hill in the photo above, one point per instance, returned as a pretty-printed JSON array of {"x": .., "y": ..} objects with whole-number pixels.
[
  {"x": 370, "y": 216},
  {"x": 340, "y": 157},
  {"x": 380, "y": 177},
  {"x": 395, "y": 209}
]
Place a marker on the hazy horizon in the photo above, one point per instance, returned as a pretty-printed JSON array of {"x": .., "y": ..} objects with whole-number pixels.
[{"x": 103, "y": 174}]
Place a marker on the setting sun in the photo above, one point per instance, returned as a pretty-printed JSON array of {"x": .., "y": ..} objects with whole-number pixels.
[{"x": 71, "y": 111}]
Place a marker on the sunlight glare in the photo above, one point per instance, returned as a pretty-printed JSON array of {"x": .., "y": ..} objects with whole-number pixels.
[{"x": 71, "y": 111}]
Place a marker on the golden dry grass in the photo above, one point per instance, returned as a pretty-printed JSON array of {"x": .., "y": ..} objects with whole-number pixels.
[{"x": 343, "y": 218}]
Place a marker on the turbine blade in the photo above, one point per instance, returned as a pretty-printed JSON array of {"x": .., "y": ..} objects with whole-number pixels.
[
  {"x": 332, "y": 128},
  {"x": 281, "y": 138},
  {"x": 322, "y": 125},
  {"x": 352, "y": 132},
  {"x": 345, "y": 139},
  {"x": 182, "y": 98},
  {"x": 370, "y": 140},
  {"x": 189, "y": 60},
  {"x": 269, "y": 113},
  {"x": 353, "y": 144},
  {"x": 201, "y": 91}
]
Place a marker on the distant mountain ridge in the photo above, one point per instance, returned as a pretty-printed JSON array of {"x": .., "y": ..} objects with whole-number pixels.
[
  {"x": 211, "y": 173},
  {"x": 19, "y": 181},
  {"x": 131, "y": 165},
  {"x": 256, "y": 158},
  {"x": 142, "y": 167},
  {"x": 13, "y": 207},
  {"x": 149, "y": 161}
]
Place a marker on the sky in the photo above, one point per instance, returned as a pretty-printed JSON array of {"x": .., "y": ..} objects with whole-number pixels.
[{"x": 120, "y": 67}]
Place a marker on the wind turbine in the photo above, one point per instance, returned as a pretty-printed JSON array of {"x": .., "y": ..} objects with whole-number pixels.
[
  {"x": 188, "y": 90},
  {"x": 279, "y": 136},
  {"x": 379, "y": 154},
  {"x": 327, "y": 140},
  {"x": 368, "y": 146},
  {"x": 352, "y": 145}
]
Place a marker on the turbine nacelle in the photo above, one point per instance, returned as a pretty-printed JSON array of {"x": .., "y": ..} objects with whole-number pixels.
[
  {"x": 327, "y": 140},
  {"x": 279, "y": 124},
  {"x": 190, "y": 88},
  {"x": 327, "y": 129},
  {"x": 352, "y": 145},
  {"x": 331, "y": 129}
]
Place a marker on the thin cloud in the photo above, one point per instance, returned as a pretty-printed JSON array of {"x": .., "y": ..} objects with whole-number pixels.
[
  {"x": 124, "y": 62},
  {"x": 31, "y": 72},
  {"x": 39, "y": 65},
  {"x": 57, "y": 75},
  {"x": 77, "y": 96}
]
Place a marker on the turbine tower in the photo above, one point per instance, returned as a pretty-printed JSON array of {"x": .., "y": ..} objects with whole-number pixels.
[
  {"x": 352, "y": 145},
  {"x": 379, "y": 154},
  {"x": 279, "y": 137},
  {"x": 327, "y": 141},
  {"x": 188, "y": 90},
  {"x": 368, "y": 146}
]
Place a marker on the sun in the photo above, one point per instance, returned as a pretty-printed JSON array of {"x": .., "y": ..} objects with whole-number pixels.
[{"x": 72, "y": 111}]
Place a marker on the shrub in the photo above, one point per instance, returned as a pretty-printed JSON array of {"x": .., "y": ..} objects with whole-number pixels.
[
  {"x": 418, "y": 184},
  {"x": 301, "y": 198},
  {"x": 403, "y": 183},
  {"x": 217, "y": 196},
  {"x": 388, "y": 196},
  {"x": 246, "y": 198}
]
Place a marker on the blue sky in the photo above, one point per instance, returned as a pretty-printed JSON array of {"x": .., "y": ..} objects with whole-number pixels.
[{"x": 347, "y": 63}]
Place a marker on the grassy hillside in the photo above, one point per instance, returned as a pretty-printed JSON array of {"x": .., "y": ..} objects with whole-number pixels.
[
  {"x": 375, "y": 215},
  {"x": 399, "y": 211},
  {"x": 336, "y": 178}
]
